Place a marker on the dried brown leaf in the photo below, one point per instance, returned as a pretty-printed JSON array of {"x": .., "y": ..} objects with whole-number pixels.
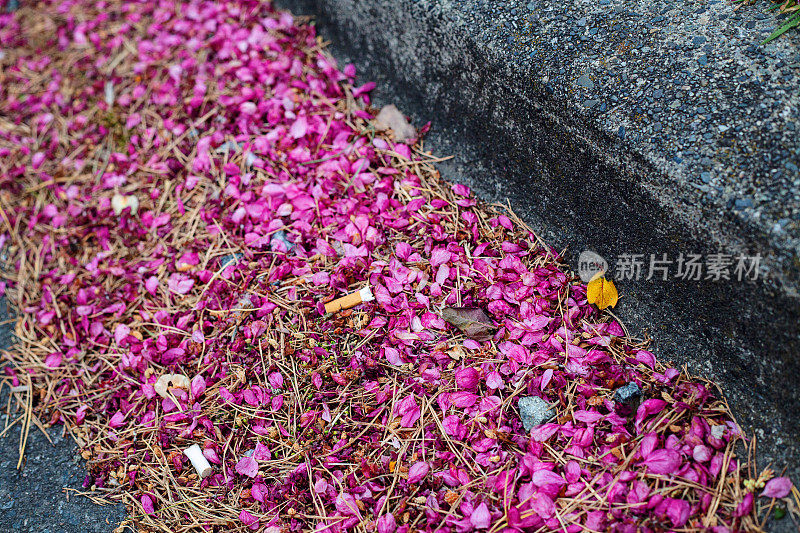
[{"x": 472, "y": 322}]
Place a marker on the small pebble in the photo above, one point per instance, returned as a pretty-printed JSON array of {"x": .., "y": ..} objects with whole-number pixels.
[
  {"x": 534, "y": 411},
  {"x": 627, "y": 393}
]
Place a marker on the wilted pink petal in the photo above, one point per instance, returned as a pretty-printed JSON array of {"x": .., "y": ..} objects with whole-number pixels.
[
  {"x": 198, "y": 386},
  {"x": 117, "y": 420},
  {"x": 439, "y": 257},
  {"x": 151, "y": 285},
  {"x": 746, "y": 506},
  {"x": 180, "y": 283},
  {"x": 80, "y": 414},
  {"x": 276, "y": 380},
  {"x": 247, "y": 519},
  {"x": 678, "y": 512},
  {"x": 778, "y": 487},
  {"x": 663, "y": 462},
  {"x": 648, "y": 408},
  {"x": 546, "y": 477},
  {"x": 546, "y": 377},
  {"x": 463, "y": 399},
  {"x": 418, "y": 471},
  {"x": 261, "y": 452},
  {"x": 147, "y": 504},
  {"x": 543, "y": 505},
  {"x": 480, "y": 518},
  {"x": 643, "y": 356},
  {"x": 120, "y": 332},
  {"x": 393, "y": 356},
  {"x": 321, "y": 486},
  {"x": 409, "y": 410},
  {"x": 247, "y": 466},
  {"x": 461, "y": 190},
  {"x": 53, "y": 360},
  {"x": 258, "y": 491},
  {"x": 386, "y": 523},
  {"x": 299, "y": 127},
  {"x": 467, "y": 378},
  {"x": 649, "y": 443},
  {"x": 543, "y": 432},
  {"x": 590, "y": 417},
  {"x": 37, "y": 160},
  {"x": 701, "y": 453},
  {"x": 495, "y": 381},
  {"x": 346, "y": 504}
]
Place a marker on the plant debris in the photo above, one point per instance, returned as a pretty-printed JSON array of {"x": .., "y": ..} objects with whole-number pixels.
[
  {"x": 390, "y": 118},
  {"x": 602, "y": 292},
  {"x": 378, "y": 417},
  {"x": 471, "y": 322}
]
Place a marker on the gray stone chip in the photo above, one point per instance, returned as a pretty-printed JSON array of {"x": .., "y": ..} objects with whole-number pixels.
[
  {"x": 627, "y": 393},
  {"x": 534, "y": 411}
]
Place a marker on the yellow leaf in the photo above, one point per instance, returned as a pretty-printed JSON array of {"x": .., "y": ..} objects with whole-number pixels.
[{"x": 601, "y": 292}]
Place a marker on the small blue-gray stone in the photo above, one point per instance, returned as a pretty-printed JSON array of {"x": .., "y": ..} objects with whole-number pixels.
[
  {"x": 627, "y": 393},
  {"x": 228, "y": 260},
  {"x": 534, "y": 411},
  {"x": 585, "y": 81},
  {"x": 280, "y": 236}
]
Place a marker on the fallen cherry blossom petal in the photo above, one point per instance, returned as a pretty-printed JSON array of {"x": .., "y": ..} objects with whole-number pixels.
[{"x": 778, "y": 487}]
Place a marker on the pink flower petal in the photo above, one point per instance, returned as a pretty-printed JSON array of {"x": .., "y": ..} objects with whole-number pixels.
[
  {"x": 439, "y": 257},
  {"x": 546, "y": 477},
  {"x": 198, "y": 386},
  {"x": 247, "y": 466},
  {"x": 180, "y": 283},
  {"x": 247, "y": 519},
  {"x": 53, "y": 360},
  {"x": 386, "y": 523},
  {"x": 778, "y": 487},
  {"x": 467, "y": 378},
  {"x": 663, "y": 462},
  {"x": 147, "y": 504},
  {"x": 480, "y": 518},
  {"x": 418, "y": 471}
]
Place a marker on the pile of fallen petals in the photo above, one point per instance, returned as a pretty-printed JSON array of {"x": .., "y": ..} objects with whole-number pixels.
[{"x": 184, "y": 185}]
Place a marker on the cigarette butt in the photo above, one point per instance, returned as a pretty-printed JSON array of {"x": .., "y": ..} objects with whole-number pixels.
[
  {"x": 351, "y": 300},
  {"x": 199, "y": 461}
]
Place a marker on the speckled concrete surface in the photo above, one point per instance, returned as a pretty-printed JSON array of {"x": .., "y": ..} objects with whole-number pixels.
[
  {"x": 622, "y": 126},
  {"x": 685, "y": 83},
  {"x": 35, "y": 499}
]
